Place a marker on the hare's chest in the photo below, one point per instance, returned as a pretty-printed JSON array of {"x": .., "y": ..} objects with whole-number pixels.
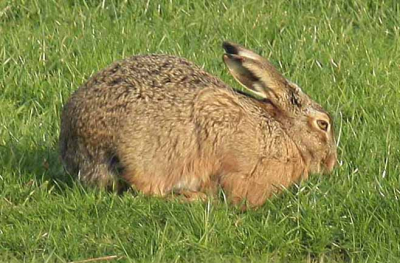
[{"x": 187, "y": 183}]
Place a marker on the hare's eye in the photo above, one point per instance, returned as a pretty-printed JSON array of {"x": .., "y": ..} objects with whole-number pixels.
[{"x": 323, "y": 125}]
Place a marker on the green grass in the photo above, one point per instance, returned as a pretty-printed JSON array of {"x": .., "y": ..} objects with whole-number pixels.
[{"x": 345, "y": 54}]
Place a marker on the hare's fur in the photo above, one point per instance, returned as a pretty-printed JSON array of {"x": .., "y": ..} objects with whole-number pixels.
[{"x": 162, "y": 125}]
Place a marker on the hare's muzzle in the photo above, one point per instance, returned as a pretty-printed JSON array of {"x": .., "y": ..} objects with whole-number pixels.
[{"x": 330, "y": 162}]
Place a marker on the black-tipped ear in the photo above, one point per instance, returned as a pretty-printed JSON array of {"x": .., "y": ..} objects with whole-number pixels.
[
  {"x": 256, "y": 74},
  {"x": 235, "y": 49},
  {"x": 241, "y": 73},
  {"x": 230, "y": 48},
  {"x": 244, "y": 70}
]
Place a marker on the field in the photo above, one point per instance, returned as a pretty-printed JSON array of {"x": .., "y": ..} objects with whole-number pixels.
[{"x": 344, "y": 54}]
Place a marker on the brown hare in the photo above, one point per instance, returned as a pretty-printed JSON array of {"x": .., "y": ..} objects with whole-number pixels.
[{"x": 163, "y": 125}]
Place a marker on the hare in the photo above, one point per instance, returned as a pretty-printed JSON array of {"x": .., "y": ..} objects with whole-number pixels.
[{"x": 162, "y": 125}]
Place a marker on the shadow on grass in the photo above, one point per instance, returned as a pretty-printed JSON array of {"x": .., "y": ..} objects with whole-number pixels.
[{"x": 41, "y": 163}]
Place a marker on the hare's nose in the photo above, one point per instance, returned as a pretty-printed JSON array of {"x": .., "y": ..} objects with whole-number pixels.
[{"x": 330, "y": 162}]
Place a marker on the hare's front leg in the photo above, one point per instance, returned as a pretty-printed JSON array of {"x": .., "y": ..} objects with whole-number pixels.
[
  {"x": 241, "y": 189},
  {"x": 191, "y": 196},
  {"x": 253, "y": 187}
]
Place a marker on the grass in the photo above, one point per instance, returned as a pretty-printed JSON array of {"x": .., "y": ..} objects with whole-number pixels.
[{"x": 345, "y": 54}]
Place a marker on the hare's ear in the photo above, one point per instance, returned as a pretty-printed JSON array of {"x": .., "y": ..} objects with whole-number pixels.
[{"x": 255, "y": 73}]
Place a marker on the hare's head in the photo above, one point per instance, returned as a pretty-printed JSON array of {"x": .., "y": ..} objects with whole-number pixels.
[{"x": 304, "y": 120}]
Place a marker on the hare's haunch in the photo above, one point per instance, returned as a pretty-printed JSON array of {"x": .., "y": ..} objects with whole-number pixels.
[{"x": 161, "y": 124}]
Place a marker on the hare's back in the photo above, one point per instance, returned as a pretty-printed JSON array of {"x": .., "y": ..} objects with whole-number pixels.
[
  {"x": 149, "y": 76},
  {"x": 146, "y": 86}
]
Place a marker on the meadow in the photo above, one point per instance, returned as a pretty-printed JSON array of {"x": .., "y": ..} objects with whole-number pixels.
[{"x": 344, "y": 54}]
